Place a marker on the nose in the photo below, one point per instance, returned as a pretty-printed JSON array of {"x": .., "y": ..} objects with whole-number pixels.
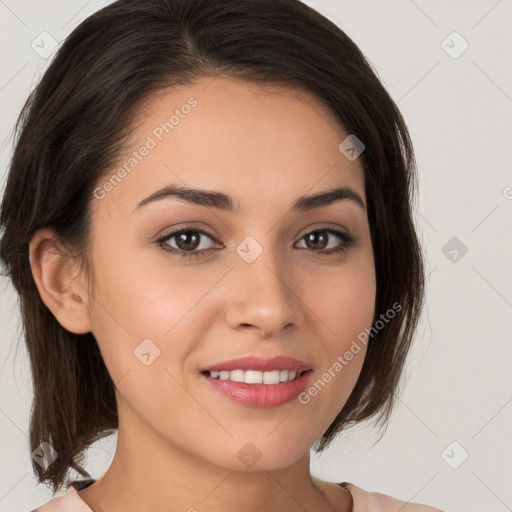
[{"x": 264, "y": 296}]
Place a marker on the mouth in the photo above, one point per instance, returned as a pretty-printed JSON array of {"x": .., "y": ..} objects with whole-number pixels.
[
  {"x": 258, "y": 381},
  {"x": 254, "y": 388}
]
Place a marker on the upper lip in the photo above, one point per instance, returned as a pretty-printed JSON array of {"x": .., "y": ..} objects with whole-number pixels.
[{"x": 279, "y": 362}]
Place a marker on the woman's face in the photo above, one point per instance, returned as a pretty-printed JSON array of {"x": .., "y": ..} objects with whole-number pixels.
[{"x": 263, "y": 283}]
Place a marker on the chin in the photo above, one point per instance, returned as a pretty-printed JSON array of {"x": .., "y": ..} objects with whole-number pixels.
[{"x": 262, "y": 454}]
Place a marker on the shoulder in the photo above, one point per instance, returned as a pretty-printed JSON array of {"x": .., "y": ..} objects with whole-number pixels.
[
  {"x": 70, "y": 501},
  {"x": 378, "y": 502}
]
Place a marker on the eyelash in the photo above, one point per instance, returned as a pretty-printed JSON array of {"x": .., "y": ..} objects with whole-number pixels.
[{"x": 347, "y": 239}]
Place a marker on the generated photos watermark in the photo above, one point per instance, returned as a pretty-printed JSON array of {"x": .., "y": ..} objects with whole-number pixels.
[
  {"x": 343, "y": 360},
  {"x": 151, "y": 142}
]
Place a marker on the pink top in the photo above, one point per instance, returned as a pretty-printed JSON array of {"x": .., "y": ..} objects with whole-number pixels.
[{"x": 363, "y": 501}]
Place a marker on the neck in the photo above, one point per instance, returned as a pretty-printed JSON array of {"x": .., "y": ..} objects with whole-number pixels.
[{"x": 150, "y": 474}]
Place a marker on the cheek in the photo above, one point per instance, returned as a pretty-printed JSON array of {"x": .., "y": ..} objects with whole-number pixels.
[
  {"x": 343, "y": 302},
  {"x": 344, "y": 299},
  {"x": 138, "y": 300}
]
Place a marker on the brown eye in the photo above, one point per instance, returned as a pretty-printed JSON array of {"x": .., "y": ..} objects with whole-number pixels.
[
  {"x": 189, "y": 242},
  {"x": 319, "y": 239}
]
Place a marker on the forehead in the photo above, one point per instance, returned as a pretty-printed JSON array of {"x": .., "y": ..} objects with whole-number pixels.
[{"x": 254, "y": 141}]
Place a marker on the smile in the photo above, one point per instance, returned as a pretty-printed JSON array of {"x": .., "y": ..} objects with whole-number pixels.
[{"x": 267, "y": 391}]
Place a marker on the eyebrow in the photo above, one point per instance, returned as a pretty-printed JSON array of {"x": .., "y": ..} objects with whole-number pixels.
[{"x": 221, "y": 201}]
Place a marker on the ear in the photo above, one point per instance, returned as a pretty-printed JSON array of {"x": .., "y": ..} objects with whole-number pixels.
[{"x": 59, "y": 286}]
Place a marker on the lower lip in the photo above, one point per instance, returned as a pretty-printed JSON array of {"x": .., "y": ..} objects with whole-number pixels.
[{"x": 260, "y": 395}]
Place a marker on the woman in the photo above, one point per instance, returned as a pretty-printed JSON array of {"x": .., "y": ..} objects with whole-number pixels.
[{"x": 208, "y": 221}]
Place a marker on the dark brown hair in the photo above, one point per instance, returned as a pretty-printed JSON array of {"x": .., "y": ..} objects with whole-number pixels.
[{"x": 75, "y": 124}]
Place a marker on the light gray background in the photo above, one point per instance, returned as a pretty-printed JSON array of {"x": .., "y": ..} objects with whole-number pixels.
[{"x": 458, "y": 386}]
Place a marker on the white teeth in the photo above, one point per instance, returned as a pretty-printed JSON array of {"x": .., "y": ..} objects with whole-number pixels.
[
  {"x": 271, "y": 377},
  {"x": 237, "y": 376},
  {"x": 255, "y": 376}
]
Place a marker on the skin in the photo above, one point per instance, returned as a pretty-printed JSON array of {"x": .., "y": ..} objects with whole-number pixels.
[{"x": 178, "y": 440}]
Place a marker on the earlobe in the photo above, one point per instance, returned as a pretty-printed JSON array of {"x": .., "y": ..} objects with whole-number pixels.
[{"x": 58, "y": 282}]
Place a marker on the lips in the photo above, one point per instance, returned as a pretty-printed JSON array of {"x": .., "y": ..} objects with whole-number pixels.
[
  {"x": 259, "y": 395},
  {"x": 263, "y": 364}
]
